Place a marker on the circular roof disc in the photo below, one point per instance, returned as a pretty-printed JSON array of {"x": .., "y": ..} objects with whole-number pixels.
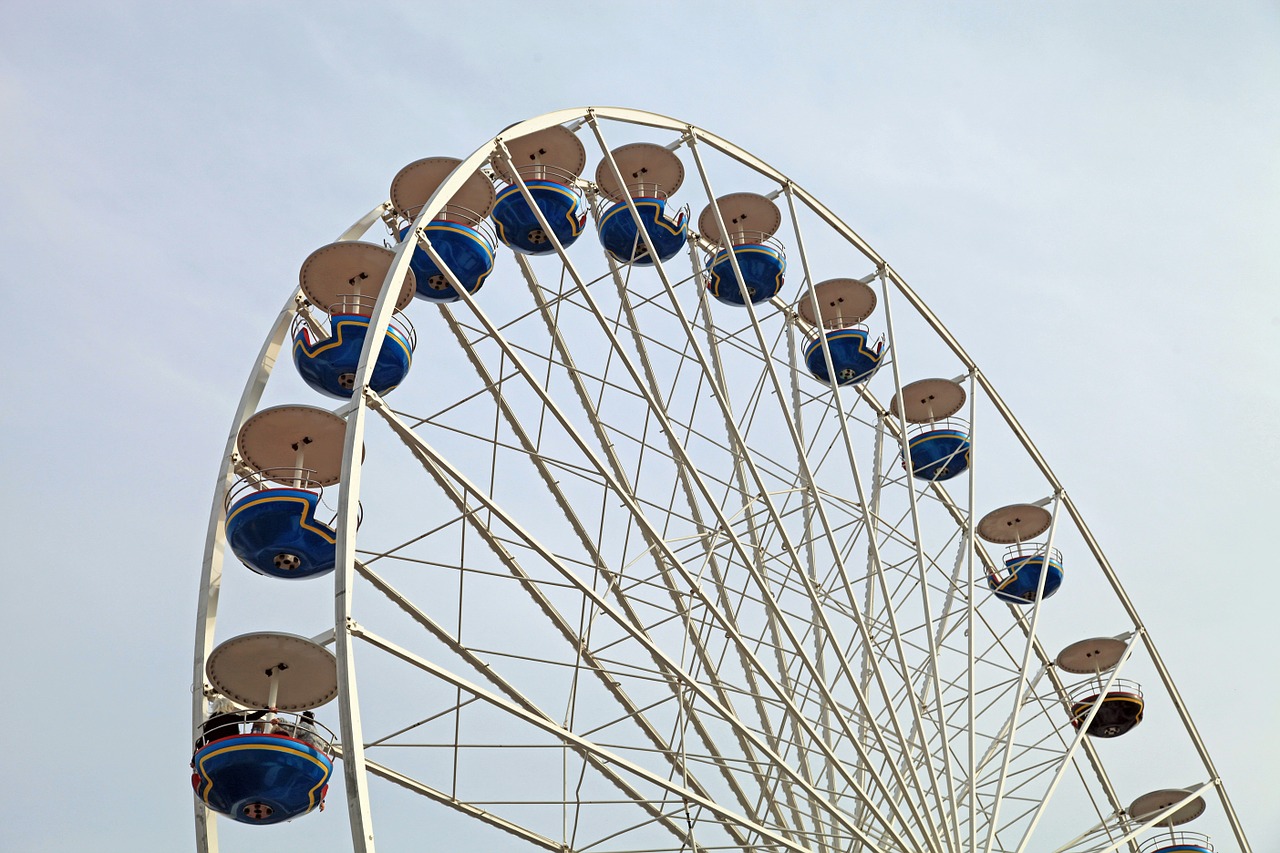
[
  {"x": 348, "y": 268},
  {"x": 268, "y": 439},
  {"x": 555, "y": 146},
  {"x": 1086, "y": 657},
  {"x": 1148, "y": 805},
  {"x": 845, "y": 300},
  {"x": 742, "y": 212},
  {"x": 306, "y": 672},
  {"x": 929, "y": 400},
  {"x": 643, "y": 166},
  {"x": 413, "y": 185},
  {"x": 1013, "y": 523}
]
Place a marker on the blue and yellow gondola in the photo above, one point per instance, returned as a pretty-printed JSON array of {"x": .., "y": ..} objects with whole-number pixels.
[
  {"x": 458, "y": 231},
  {"x": 1023, "y": 568},
  {"x": 548, "y": 163},
  {"x": 291, "y": 453},
  {"x": 648, "y": 175},
  {"x": 853, "y": 356},
  {"x": 275, "y": 532},
  {"x": 749, "y": 222},
  {"x": 261, "y": 778},
  {"x": 328, "y": 365},
  {"x": 341, "y": 283}
]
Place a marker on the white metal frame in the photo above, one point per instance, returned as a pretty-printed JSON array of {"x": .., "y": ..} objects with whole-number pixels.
[{"x": 843, "y": 727}]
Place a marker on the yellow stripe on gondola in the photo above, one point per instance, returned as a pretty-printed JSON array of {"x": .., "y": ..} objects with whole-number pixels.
[
  {"x": 336, "y": 339},
  {"x": 939, "y": 434},
  {"x": 455, "y": 228},
  {"x": 863, "y": 338},
  {"x": 311, "y": 799},
  {"x": 575, "y": 225},
  {"x": 747, "y": 250},
  {"x": 324, "y": 532},
  {"x": 674, "y": 228}
]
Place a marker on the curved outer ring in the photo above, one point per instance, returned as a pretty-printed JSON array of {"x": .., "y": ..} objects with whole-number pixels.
[{"x": 353, "y": 760}]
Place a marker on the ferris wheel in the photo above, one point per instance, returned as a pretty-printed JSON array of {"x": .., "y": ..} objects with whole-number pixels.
[{"x": 659, "y": 532}]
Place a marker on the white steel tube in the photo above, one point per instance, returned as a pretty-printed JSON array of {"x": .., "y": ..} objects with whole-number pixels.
[
  {"x": 215, "y": 533},
  {"x": 970, "y": 606},
  {"x": 1022, "y": 681},
  {"x": 949, "y": 818},
  {"x": 868, "y": 513},
  {"x": 1081, "y": 734},
  {"x": 435, "y": 461},
  {"x": 715, "y": 209},
  {"x": 739, "y": 442}
]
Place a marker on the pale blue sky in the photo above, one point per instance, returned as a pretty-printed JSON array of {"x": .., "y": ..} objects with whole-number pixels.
[{"x": 1103, "y": 174}]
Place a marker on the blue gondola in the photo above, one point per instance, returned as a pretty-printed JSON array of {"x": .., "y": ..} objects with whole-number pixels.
[
  {"x": 457, "y": 231},
  {"x": 621, "y": 239},
  {"x": 1022, "y": 578},
  {"x": 467, "y": 251},
  {"x": 762, "y": 267},
  {"x": 852, "y": 355},
  {"x": 518, "y": 225},
  {"x": 261, "y": 778},
  {"x": 275, "y": 532},
  {"x": 939, "y": 454},
  {"x": 329, "y": 365}
]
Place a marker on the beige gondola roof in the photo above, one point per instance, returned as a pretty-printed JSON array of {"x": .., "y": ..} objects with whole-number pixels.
[
  {"x": 347, "y": 268},
  {"x": 742, "y": 212},
  {"x": 307, "y": 673},
  {"x": 1149, "y": 805},
  {"x": 643, "y": 165},
  {"x": 555, "y": 146},
  {"x": 413, "y": 185},
  {"x": 839, "y": 299},
  {"x": 1014, "y": 523},
  {"x": 1086, "y": 657},
  {"x": 267, "y": 440},
  {"x": 929, "y": 400}
]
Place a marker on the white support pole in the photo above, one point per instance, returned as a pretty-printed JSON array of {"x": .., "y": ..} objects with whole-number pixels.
[
  {"x": 872, "y": 515},
  {"x": 917, "y": 808},
  {"x": 970, "y": 652},
  {"x": 435, "y": 461},
  {"x": 347, "y": 522},
  {"x": 811, "y": 562},
  {"x": 273, "y": 687},
  {"x": 215, "y": 533},
  {"x": 1155, "y": 819},
  {"x": 1081, "y": 734},
  {"x": 949, "y": 818},
  {"x": 846, "y": 671},
  {"x": 1020, "y": 692}
]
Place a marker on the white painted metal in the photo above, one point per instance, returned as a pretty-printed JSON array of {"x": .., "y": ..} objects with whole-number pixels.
[
  {"x": 215, "y": 539},
  {"x": 1036, "y": 608},
  {"x": 1081, "y": 734},
  {"x": 622, "y": 493},
  {"x": 735, "y": 682}
]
